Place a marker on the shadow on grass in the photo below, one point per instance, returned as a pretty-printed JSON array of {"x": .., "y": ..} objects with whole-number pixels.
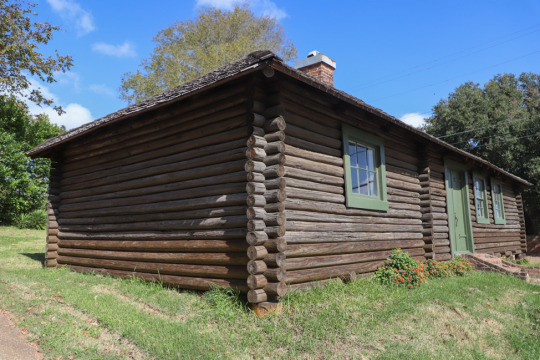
[{"x": 36, "y": 257}]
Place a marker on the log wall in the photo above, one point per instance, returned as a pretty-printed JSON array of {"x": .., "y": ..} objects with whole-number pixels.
[
  {"x": 51, "y": 247},
  {"x": 438, "y": 206},
  {"x": 164, "y": 195},
  {"x": 499, "y": 239},
  {"x": 325, "y": 238}
]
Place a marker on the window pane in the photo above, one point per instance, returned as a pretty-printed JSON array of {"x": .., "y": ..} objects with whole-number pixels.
[
  {"x": 352, "y": 153},
  {"x": 354, "y": 180},
  {"x": 370, "y": 160},
  {"x": 363, "y": 182},
  {"x": 480, "y": 208},
  {"x": 372, "y": 184},
  {"x": 361, "y": 157}
]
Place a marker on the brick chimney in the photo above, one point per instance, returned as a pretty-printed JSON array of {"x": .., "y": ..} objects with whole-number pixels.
[{"x": 319, "y": 66}]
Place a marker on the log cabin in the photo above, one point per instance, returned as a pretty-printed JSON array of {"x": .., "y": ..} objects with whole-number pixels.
[{"x": 265, "y": 178}]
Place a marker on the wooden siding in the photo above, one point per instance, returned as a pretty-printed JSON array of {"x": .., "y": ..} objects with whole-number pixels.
[
  {"x": 162, "y": 195},
  {"x": 493, "y": 238},
  {"x": 325, "y": 238}
]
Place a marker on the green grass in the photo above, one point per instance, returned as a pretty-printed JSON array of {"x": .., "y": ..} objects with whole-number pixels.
[{"x": 479, "y": 316}]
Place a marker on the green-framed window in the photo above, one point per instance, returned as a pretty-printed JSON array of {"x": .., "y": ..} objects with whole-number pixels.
[
  {"x": 498, "y": 202},
  {"x": 365, "y": 170},
  {"x": 480, "y": 199}
]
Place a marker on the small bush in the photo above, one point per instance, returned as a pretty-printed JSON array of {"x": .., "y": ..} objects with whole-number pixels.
[
  {"x": 36, "y": 219},
  {"x": 402, "y": 270}
]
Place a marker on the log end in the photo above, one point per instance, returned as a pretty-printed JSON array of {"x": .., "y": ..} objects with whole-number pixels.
[{"x": 266, "y": 308}]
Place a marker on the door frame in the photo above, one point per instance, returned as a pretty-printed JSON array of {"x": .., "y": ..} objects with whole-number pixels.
[{"x": 454, "y": 165}]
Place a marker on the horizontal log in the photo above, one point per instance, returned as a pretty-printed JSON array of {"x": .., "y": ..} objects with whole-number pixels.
[
  {"x": 275, "y": 231},
  {"x": 305, "y": 237},
  {"x": 220, "y": 200},
  {"x": 295, "y": 215},
  {"x": 219, "y": 234},
  {"x": 312, "y": 146},
  {"x": 275, "y": 260},
  {"x": 212, "y": 258},
  {"x": 275, "y": 274},
  {"x": 313, "y": 155},
  {"x": 257, "y": 252},
  {"x": 183, "y": 282},
  {"x": 173, "y": 185},
  {"x": 218, "y": 271},
  {"x": 276, "y": 289},
  {"x": 255, "y": 141},
  {"x": 303, "y": 133},
  {"x": 275, "y": 147},
  {"x": 497, "y": 244},
  {"x": 298, "y": 193},
  {"x": 274, "y": 207},
  {"x": 314, "y": 166},
  {"x": 275, "y": 136},
  {"x": 342, "y": 259},
  {"x": 275, "y": 196},
  {"x": 312, "y": 176},
  {"x": 256, "y": 281},
  {"x": 300, "y": 276},
  {"x": 157, "y": 216},
  {"x": 311, "y": 185},
  {"x": 256, "y": 267},
  {"x": 294, "y": 250},
  {"x": 277, "y": 183},
  {"x": 274, "y": 171},
  {"x": 321, "y": 127},
  {"x": 163, "y": 179},
  {"x": 275, "y": 124},
  {"x": 192, "y": 245},
  {"x": 255, "y": 177},
  {"x": 254, "y": 166},
  {"x": 152, "y": 166},
  {"x": 256, "y": 296},
  {"x": 256, "y": 154},
  {"x": 350, "y": 227},
  {"x": 275, "y": 245},
  {"x": 256, "y": 238},
  {"x": 223, "y": 222},
  {"x": 330, "y": 208},
  {"x": 275, "y": 159}
]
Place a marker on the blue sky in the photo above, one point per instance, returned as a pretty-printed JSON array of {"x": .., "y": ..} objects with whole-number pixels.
[{"x": 399, "y": 56}]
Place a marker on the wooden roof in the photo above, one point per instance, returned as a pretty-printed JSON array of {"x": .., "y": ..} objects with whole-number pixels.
[{"x": 250, "y": 63}]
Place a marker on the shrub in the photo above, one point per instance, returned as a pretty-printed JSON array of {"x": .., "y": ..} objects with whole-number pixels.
[
  {"x": 36, "y": 219},
  {"x": 401, "y": 269},
  {"x": 459, "y": 266}
]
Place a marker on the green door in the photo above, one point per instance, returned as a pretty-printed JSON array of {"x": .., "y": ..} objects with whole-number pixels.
[{"x": 459, "y": 215}]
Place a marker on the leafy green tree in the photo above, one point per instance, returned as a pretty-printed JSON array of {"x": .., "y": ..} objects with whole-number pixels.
[
  {"x": 500, "y": 123},
  {"x": 23, "y": 181},
  {"x": 20, "y": 39},
  {"x": 191, "y": 48}
]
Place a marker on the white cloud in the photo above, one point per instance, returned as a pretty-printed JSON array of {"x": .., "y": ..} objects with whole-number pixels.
[
  {"x": 414, "y": 119},
  {"x": 75, "y": 114},
  {"x": 125, "y": 50},
  {"x": 73, "y": 13},
  {"x": 263, "y": 7},
  {"x": 68, "y": 78},
  {"x": 102, "y": 90}
]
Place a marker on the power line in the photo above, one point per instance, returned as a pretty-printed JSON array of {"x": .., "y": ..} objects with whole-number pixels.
[
  {"x": 505, "y": 141},
  {"x": 456, "y": 77},
  {"x": 453, "y": 56},
  {"x": 482, "y": 128},
  {"x": 496, "y": 135}
]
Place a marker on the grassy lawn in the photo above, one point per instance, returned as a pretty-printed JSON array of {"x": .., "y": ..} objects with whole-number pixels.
[{"x": 81, "y": 316}]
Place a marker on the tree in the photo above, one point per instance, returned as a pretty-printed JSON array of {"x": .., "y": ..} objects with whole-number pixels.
[
  {"x": 189, "y": 49},
  {"x": 23, "y": 181},
  {"x": 20, "y": 38},
  {"x": 500, "y": 123}
]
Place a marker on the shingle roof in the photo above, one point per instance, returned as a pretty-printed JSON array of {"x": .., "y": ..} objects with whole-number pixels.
[{"x": 249, "y": 63}]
